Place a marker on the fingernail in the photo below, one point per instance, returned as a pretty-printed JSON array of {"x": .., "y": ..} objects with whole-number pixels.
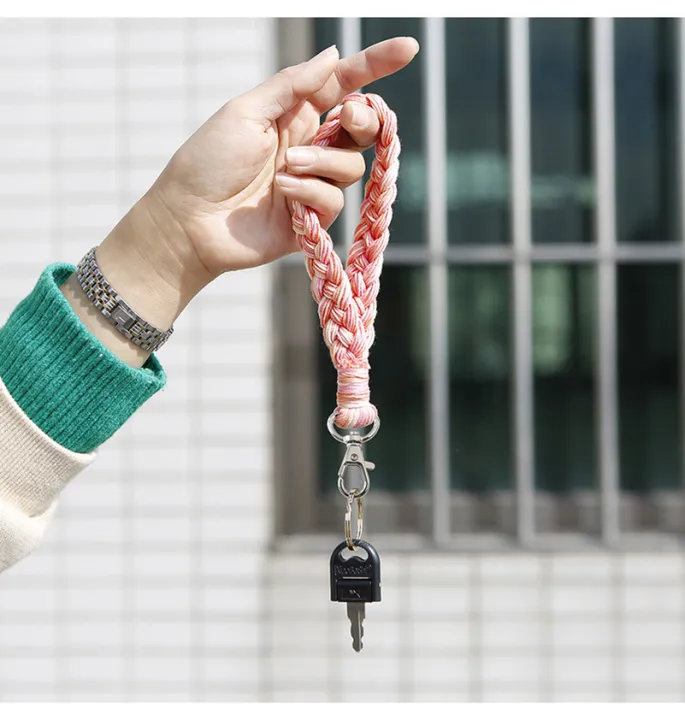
[
  {"x": 328, "y": 51},
  {"x": 300, "y": 156},
  {"x": 417, "y": 47},
  {"x": 357, "y": 115},
  {"x": 287, "y": 182}
]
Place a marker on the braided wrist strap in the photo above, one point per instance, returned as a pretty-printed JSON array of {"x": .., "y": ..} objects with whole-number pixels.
[{"x": 347, "y": 298}]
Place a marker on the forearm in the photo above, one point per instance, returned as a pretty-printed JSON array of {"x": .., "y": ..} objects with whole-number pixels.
[
  {"x": 62, "y": 392},
  {"x": 69, "y": 379}
]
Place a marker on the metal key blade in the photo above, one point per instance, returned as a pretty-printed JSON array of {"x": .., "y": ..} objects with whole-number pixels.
[{"x": 356, "y": 613}]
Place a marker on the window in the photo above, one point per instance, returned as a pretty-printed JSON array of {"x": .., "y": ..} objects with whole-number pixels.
[{"x": 555, "y": 417}]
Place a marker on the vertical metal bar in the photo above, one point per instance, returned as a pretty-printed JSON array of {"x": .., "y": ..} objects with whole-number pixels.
[
  {"x": 350, "y": 43},
  {"x": 680, "y": 119},
  {"x": 296, "y": 335},
  {"x": 436, "y": 154},
  {"x": 519, "y": 143},
  {"x": 350, "y": 35},
  {"x": 607, "y": 396}
]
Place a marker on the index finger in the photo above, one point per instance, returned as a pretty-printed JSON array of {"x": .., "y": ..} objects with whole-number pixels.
[{"x": 378, "y": 61}]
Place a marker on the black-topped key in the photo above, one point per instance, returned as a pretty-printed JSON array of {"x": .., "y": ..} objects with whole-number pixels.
[{"x": 356, "y": 581}]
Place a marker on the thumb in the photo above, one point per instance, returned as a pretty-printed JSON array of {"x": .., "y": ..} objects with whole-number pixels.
[{"x": 284, "y": 90}]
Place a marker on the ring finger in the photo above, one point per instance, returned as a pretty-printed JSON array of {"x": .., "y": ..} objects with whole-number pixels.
[
  {"x": 341, "y": 166},
  {"x": 325, "y": 199}
]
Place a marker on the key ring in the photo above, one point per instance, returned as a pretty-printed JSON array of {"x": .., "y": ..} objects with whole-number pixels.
[
  {"x": 330, "y": 424},
  {"x": 348, "y": 519}
]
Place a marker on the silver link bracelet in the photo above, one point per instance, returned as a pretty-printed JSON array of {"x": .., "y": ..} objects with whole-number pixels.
[{"x": 112, "y": 306}]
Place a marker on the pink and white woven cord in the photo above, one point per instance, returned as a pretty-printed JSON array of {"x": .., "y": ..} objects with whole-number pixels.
[{"x": 347, "y": 298}]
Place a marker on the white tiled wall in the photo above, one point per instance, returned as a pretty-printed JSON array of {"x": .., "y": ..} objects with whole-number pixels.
[
  {"x": 155, "y": 581},
  {"x": 149, "y": 584},
  {"x": 489, "y": 628}
]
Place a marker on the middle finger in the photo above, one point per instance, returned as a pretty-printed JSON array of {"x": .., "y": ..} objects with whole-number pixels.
[{"x": 340, "y": 165}]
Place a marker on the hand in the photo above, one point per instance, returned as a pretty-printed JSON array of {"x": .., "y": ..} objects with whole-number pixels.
[
  {"x": 226, "y": 195},
  {"x": 224, "y": 201}
]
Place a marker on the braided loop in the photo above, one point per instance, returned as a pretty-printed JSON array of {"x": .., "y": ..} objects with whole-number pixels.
[{"x": 347, "y": 297}]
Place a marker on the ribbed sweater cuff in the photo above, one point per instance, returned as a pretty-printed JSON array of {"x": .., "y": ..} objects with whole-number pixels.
[{"x": 73, "y": 387}]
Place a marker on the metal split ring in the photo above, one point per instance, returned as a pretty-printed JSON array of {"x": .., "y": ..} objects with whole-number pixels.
[
  {"x": 330, "y": 424},
  {"x": 351, "y": 497}
]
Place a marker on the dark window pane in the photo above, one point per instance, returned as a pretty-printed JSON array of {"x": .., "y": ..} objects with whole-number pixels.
[
  {"x": 563, "y": 362},
  {"x": 645, "y": 130},
  {"x": 398, "y": 369},
  {"x": 402, "y": 91},
  {"x": 479, "y": 378},
  {"x": 648, "y": 357},
  {"x": 562, "y": 192},
  {"x": 477, "y": 166}
]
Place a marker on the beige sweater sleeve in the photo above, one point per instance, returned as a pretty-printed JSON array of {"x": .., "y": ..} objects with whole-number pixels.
[{"x": 34, "y": 469}]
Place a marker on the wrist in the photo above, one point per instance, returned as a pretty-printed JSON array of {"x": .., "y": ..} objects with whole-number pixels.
[
  {"x": 149, "y": 261},
  {"x": 142, "y": 260}
]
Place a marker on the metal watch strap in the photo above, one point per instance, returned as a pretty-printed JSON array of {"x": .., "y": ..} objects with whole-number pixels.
[{"x": 112, "y": 306}]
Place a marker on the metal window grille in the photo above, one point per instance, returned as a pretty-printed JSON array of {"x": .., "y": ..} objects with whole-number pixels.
[{"x": 433, "y": 516}]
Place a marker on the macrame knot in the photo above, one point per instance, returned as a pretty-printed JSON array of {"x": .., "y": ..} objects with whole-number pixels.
[{"x": 354, "y": 407}]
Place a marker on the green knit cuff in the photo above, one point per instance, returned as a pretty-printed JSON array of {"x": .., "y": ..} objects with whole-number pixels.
[{"x": 73, "y": 387}]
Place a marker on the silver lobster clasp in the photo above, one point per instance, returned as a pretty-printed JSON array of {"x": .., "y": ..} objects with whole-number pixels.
[{"x": 354, "y": 457}]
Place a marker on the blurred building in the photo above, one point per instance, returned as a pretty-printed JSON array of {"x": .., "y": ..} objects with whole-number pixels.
[{"x": 528, "y": 368}]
